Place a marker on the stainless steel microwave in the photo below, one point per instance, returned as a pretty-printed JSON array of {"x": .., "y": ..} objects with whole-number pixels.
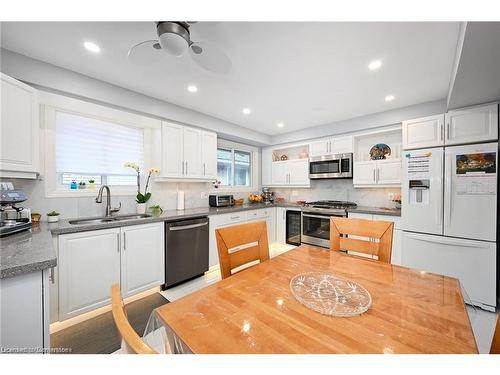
[{"x": 331, "y": 166}]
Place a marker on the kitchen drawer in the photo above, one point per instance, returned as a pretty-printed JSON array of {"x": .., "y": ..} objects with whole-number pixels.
[
  {"x": 265, "y": 212},
  {"x": 228, "y": 219},
  {"x": 253, "y": 214},
  {"x": 395, "y": 219}
]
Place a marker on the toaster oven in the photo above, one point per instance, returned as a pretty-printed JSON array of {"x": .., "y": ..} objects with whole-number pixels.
[{"x": 220, "y": 200}]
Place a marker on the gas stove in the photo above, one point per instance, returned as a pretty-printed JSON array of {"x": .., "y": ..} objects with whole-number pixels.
[{"x": 331, "y": 204}]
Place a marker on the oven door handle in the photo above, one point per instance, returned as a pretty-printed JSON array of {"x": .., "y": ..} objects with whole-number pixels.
[{"x": 318, "y": 216}]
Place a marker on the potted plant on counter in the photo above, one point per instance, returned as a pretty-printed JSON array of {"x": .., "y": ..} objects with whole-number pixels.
[
  {"x": 142, "y": 198},
  {"x": 53, "y": 217},
  {"x": 91, "y": 184},
  {"x": 397, "y": 200}
]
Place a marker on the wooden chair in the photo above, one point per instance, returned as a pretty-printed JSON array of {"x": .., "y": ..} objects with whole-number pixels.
[
  {"x": 241, "y": 244},
  {"x": 131, "y": 341},
  {"x": 495, "y": 344},
  {"x": 341, "y": 227}
]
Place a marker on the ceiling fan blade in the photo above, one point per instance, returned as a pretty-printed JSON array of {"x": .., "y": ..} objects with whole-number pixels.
[
  {"x": 210, "y": 57},
  {"x": 147, "y": 52}
]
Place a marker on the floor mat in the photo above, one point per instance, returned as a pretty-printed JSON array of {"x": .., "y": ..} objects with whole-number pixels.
[{"x": 99, "y": 334}]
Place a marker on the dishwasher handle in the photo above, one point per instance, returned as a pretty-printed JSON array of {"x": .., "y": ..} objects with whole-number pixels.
[{"x": 184, "y": 227}]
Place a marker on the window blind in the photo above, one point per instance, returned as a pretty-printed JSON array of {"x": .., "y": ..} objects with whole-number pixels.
[{"x": 87, "y": 145}]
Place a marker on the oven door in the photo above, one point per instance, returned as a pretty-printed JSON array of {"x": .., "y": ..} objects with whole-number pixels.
[
  {"x": 331, "y": 166},
  {"x": 316, "y": 229}
]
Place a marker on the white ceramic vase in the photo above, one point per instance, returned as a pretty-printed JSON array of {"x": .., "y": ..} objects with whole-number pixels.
[
  {"x": 141, "y": 208},
  {"x": 53, "y": 219}
]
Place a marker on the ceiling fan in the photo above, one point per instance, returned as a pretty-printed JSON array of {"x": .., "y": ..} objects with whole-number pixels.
[{"x": 174, "y": 37}]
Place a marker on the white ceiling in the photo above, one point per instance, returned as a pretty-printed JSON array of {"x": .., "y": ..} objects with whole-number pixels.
[{"x": 301, "y": 74}]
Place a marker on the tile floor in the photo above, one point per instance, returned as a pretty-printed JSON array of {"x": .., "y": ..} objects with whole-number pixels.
[{"x": 483, "y": 322}]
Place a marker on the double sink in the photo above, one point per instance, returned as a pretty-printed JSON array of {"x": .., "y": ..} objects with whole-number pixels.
[{"x": 109, "y": 219}]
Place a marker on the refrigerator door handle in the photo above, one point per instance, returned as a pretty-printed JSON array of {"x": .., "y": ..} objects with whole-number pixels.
[
  {"x": 448, "y": 201},
  {"x": 448, "y": 241}
]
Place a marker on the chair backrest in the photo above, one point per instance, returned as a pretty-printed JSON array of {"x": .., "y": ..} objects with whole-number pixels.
[
  {"x": 241, "y": 244},
  {"x": 378, "y": 234},
  {"x": 133, "y": 342},
  {"x": 495, "y": 344}
]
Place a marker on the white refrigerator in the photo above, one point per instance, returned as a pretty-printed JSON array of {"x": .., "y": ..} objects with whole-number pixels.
[{"x": 449, "y": 216}]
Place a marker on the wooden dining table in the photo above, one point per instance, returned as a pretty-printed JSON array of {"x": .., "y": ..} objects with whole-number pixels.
[{"x": 254, "y": 311}]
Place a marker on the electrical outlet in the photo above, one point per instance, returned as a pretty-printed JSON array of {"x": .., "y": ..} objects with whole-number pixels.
[{"x": 204, "y": 195}]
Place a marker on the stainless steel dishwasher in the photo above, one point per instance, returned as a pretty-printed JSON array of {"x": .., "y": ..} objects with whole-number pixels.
[{"x": 186, "y": 250}]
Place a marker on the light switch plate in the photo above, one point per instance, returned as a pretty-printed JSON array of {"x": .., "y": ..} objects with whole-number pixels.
[{"x": 204, "y": 195}]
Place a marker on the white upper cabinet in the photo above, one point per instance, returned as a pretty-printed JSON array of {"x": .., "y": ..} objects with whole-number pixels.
[
  {"x": 377, "y": 173},
  {"x": 209, "y": 154},
  {"x": 330, "y": 146},
  {"x": 472, "y": 124},
  {"x": 188, "y": 153},
  {"x": 19, "y": 129},
  {"x": 423, "y": 132},
  {"x": 290, "y": 173}
]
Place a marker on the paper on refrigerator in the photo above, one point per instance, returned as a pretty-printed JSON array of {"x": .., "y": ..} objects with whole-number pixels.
[{"x": 476, "y": 173}]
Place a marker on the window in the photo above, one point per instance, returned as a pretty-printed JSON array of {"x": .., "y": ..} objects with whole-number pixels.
[
  {"x": 234, "y": 167},
  {"x": 90, "y": 149}
]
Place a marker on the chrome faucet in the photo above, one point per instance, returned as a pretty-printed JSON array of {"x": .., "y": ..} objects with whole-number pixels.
[{"x": 98, "y": 199}]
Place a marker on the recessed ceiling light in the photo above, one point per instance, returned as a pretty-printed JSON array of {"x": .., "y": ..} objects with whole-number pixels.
[
  {"x": 92, "y": 47},
  {"x": 389, "y": 98},
  {"x": 280, "y": 125},
  {"x": 192, "y": 88},
  {"x": 246, "y": 111},
  {"x": 375, "y": 64}
]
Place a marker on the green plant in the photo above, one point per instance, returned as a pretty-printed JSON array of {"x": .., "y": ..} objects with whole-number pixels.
[
  {"x": 156, "y": 209},
  {"x": 91, "y": 181},
  {"x": 140, "y": 197},
  {"x": 53, "y": 213}
]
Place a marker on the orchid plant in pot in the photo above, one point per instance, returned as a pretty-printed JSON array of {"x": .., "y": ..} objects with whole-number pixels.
[{"x": 142, "y": 198}]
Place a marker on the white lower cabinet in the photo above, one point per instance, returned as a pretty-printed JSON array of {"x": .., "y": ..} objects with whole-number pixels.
[
  {"x": 142, "y": 258},
  {"x": 396, "y": 235},
  {"x": 90, "y": 262},
  {"x": 24, "y": 315},
  {"x": 226, "y": 220},
  {"x": 280, "y": 225}
]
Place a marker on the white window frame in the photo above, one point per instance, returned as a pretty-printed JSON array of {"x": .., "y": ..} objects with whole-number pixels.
[
  {"x": 222, "y": 143},
  {"x": 50, "y": 104}
]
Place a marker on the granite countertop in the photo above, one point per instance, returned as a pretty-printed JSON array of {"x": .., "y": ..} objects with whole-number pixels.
[
  {"x": 33, "y": 250},
  {"x": 28, "y": 251}
]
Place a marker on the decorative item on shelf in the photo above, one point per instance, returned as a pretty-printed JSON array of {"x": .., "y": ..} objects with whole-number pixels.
[
  {"x": 216, "y": 184},
  {"x": 276, "y": 157},
  {"x": 239, "y": 202},
  {"x": 156, "y": 210},
  {"x": 330, "y": 295},
  {"x": 284, "y": 157},
  {"x": 141, "y": 199},
  {"x": 81, "y": 185},
  {"x": 91, "y": 184},
  {"x": 35, "y": 218},
  {"x": 379, "y": 151},
  {"x": 73, "y": 185},
  {"x": 53, "y": 217},
  {"x": 396, "y": 198},
  {"x": 255, "y": 198}
]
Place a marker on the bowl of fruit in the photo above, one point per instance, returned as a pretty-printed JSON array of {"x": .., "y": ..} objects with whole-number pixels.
[{"x": 255, "y": 198}]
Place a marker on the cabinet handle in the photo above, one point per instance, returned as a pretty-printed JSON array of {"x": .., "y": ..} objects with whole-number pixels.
[
  {"x": 374, "y": 175},
  {"x": 442, "y": 132},
  {"x": 124, "y": 240},
  {"x": 186, "y": 168},
  {"x": 448, "y": 130},
  {"x": 182, "y": 168},
  {"x": 118, "y": 242},
  {"x": 52, "y": 276},
  {"x": 378, "y": 174},
  {"x": 204, "y": 173}
]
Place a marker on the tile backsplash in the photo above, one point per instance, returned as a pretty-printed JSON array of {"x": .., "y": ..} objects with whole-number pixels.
[{"x": 339, "y": 189}]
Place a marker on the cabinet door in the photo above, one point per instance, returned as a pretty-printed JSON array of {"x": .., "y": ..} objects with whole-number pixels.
[
  {"x": 364, "y": 173},
  {"x": 172, "y": 150},
  {"x": 389, "y": 172},
  {"x": 142, "y": 258},
  {"x": 298, "y": 172},
  {"x": 279, "y": 173},
  {"x": 320, "y": 148},
  {"x": 342, "y": 145},
  {"x": 281, "y": 225},
  {"x": 423, "y": 132},
  {"x": 89, "y": 263},
  {"x": 19, "y": 131},
  {"x": 209, "y": 155},
  {"x": 472, "y": 124},
  {"x": 193, "y": 166},
  {"x": 267, "y": 162}
]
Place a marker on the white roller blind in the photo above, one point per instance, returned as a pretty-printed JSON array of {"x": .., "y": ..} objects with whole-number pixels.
[{"x": 87, "y": 145}]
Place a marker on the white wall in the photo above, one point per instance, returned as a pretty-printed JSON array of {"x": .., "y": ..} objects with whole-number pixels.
[
  {"x": 66, "y": 82},
  {"x": 375, "y": 120}
]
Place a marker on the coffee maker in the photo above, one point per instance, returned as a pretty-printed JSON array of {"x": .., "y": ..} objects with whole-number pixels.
[
  {"x": 13, "y": 218},
  {"x": 267, "y": 195}
]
